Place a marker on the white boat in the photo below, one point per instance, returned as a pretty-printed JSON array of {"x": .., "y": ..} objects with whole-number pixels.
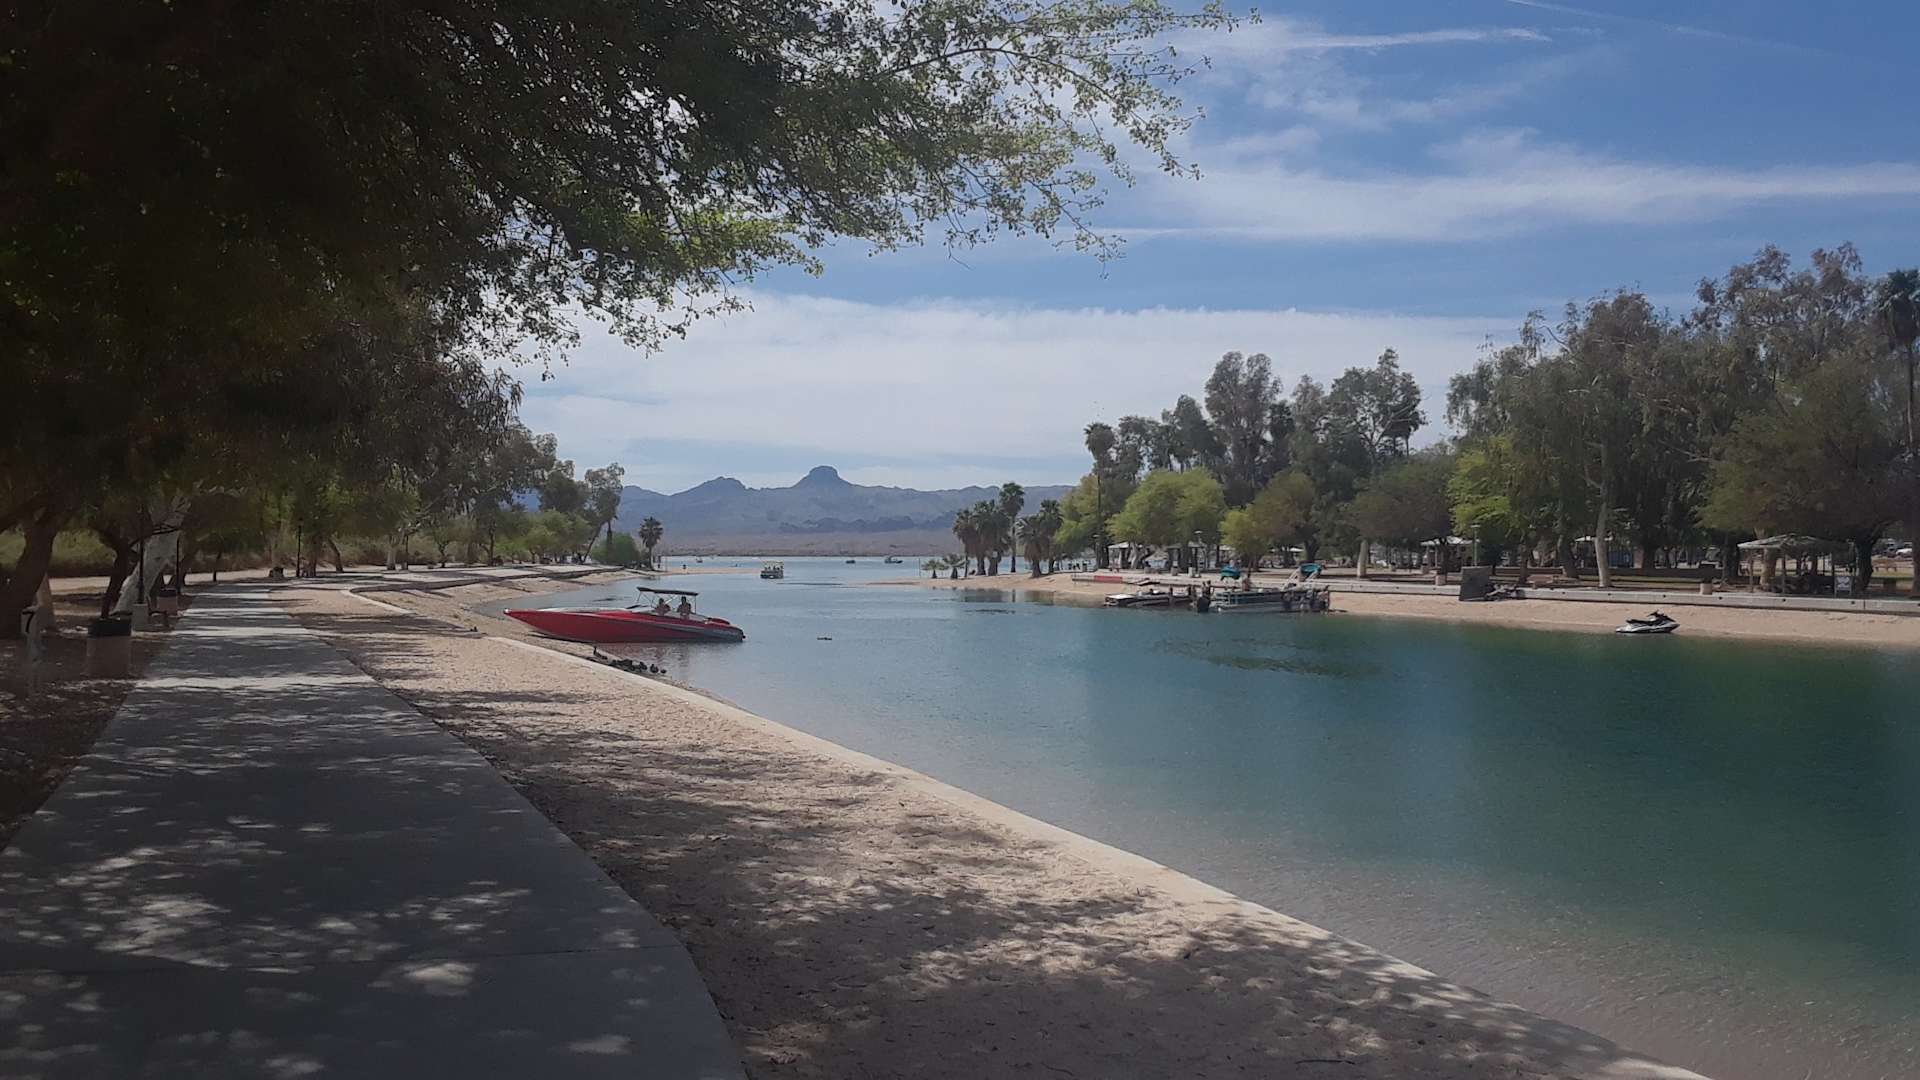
[
  {"x": 773, "y": 571},
  {"x": 1289, "y": 597},
  {"x": 1656, "y": 623},
  {"x": 1145, "y": 598}
]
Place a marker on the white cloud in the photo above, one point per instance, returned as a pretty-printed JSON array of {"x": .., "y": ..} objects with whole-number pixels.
[
  {"x": 1273, "y": 36},
  {"x": 1338, "y": 99},
  {"x": 1671, "y": 28},
  {"x": 935, "y": 392},
  {"x": 1487, "y": 185},
  {"x": 1311, "y": 41},
  {"x": 1288, "y": 65}
]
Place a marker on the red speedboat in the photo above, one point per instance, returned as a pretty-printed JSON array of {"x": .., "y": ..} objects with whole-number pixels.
[{"x": 639, "y": 624}]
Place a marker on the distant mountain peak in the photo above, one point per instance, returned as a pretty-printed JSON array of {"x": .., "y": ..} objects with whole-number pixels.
[
  {"x": 724, "y": 513},
  {"x": 822, "y": 476},
  {"x": 717, "y": 485}
]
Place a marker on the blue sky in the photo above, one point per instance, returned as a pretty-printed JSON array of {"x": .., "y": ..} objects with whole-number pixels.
[{"x": 1373, "y": 173}]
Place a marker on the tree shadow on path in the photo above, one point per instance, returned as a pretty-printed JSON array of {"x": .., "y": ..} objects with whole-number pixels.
[{"x": 851, "y": 924}]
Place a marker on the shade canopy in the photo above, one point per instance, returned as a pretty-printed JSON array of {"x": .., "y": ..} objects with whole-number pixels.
[{"x": 1797, "y": 544}]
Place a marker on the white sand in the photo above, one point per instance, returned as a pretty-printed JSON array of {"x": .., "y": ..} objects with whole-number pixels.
[
  {"x": 1836, "y": 628},
  {"x": 856, "y": 919}
]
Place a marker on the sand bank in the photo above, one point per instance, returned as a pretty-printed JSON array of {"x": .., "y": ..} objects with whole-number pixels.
[
  {"x": 854, "y": 918},
  {"x": 1834, "y": 628}
]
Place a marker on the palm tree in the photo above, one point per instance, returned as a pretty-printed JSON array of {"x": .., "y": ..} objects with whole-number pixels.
[
  {"x": 993, "y": 531},
  {"x": 1049, "y": 520},
  {"x": 650, "y": 533},
  {"x": 954, "y": 563},
  {"x": 966, "y": 526},
  {"x": 1037, "y": 538},
  {"x": 1013, "y": 498},
  {"x": 933, "y": 567},
  {"x": 1100, "y": 443},
  {"x": 1899, "y": 303}
]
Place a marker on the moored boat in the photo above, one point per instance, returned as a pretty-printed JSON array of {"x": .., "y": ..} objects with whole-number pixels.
[
  {"x": 1287, "y": 598},
  {"x": 608, "y": 626},
  {"x": 773, "y": 571},
  {"x": 1147, "y": 597},
  {"x": 1658, "y": 622}
]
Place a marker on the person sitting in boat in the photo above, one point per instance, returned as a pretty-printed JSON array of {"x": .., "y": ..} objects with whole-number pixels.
[
  {"x": 686, "y": 607},
  {"x": 661, "y": 607}
]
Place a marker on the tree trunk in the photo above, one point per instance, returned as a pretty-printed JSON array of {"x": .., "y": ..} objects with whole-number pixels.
[
  {"x": 122, "y": 567},
  {"x": 216, "y": 566},
  {"x": 184, "y": 555},
  {"x": 1729, "y": 560},
  {"x": 1360, "y": 564},
  {"x": 23, "y": 583},
  {"x": 1863, "y": 566},
  {"x": 1564, "y": 549},
  {"x": 339, "y": 563},
  {"x": 1602, "y": 558},
  {"x": 1913, "y": 358}
]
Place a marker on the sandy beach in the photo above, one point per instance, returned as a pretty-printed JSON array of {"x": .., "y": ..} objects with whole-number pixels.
[
  {"x": 856, "y": 919},
  {"x": 1833, "y": 628}
]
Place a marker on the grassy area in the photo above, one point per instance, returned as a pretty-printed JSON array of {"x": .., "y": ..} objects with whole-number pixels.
[{"x": 75, "y": 553}]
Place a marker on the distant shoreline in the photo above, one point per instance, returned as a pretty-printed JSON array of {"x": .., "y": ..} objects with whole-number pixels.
[{"x": 1829, "y": 628}]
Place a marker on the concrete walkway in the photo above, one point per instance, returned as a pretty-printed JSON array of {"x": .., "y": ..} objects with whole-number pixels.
[{"x": 270, "y": 866}]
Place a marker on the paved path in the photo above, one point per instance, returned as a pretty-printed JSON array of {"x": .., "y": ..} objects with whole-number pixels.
[{"x": 269, "y": 866}]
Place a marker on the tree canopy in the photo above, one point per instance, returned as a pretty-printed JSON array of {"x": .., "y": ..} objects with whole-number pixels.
[
  {"x": 1783, "y": 400},
  {"x": 289, "y": 246}
]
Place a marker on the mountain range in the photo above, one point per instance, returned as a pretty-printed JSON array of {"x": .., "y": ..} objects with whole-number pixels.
[{"x": 821, "y": 514}]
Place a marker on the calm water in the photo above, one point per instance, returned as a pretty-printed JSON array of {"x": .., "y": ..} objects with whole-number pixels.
[{"x": 1707, "y": 850}]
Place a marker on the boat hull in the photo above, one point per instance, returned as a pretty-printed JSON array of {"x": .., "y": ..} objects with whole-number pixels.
[
  {"x": 625, "y": 627},
  {"x": 1284, "y": 599}
]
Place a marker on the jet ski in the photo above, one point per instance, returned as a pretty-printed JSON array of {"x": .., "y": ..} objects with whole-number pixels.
[{"x": 1655, "y": 623}]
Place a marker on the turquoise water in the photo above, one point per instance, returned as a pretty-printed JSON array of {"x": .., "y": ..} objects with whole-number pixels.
[{"x": 1708, "y": 850}]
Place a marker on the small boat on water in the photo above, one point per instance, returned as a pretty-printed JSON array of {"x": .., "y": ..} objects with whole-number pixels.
[
  {"x": 639, "y": 624},
  {"x": 850, "y": 562},
  {"x": 1147, "y": 597},
  {"x": 1655, "y": 623},
  {"x": 892, "y": 559},
  {"x": 1285, "y": 598},
  {"x": 773, "y": 571}
]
